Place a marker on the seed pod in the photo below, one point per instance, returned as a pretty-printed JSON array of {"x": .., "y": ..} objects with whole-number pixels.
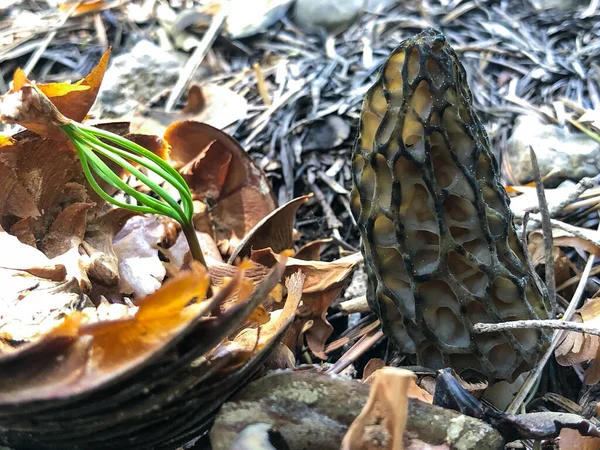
[{"x": 440, "y": 247}]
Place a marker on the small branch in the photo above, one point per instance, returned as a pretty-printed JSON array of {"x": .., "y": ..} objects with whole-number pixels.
[
  {"x": 534, "y": 375},
  {"x": 575, "y": 231},
  {"x": 547, "y": 229},
  {"x": 536, "y": 324},
  {"x": 583, "y": 185},
  {"x": 355, "y": 305},
  {"x": 194, "y": 61}
]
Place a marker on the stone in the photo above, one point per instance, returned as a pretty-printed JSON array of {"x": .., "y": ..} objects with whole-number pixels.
[
  {"x": 135, "y": 77},
  {"x": 333, "y": 15},
  {"x": 313, "y": 410},
  {"x": 561, "y": 155},
  {"x": 562, "y": 5},
  {"x": 250, "y": 17}
]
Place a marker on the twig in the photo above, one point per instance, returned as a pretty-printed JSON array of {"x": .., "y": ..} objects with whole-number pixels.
[
  {"x": 355, "y": 305},
  {"x": 547, "y": 229},
  {"x": 332, "y": 221},
  {"x": 33, "y": 60},
  {"x": 537, "y": 325},
  {"x": 261, "y": 84},
  {"x": 194, "y": 61},
  {"x": 535, "y": 374},
  {"x": 583, "y": 185},
  {"x": 364, "y": 344},
  {"x": 575, "y": 231}
]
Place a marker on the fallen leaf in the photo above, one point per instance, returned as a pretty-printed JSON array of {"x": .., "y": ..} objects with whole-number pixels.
[
  {"x": 14, "y": 198},
  {"x": 67, "y": 230},
  {"x": 102, "y": 263},
  {"x": 31, "y": 306},
  {"x": 251, "y": 338},
  {"x": 18, "y": 256},
  {"x": 320, "y": 275},
  {"x": 275, "y": 230},
  {"x": 141, "y": 271},
  {"x": 577, "y": 348},
  {"x": 105, "y": 350},
  {"x": 588, "y": 241},
  {"x": 382, "y": 421},
  {"x": 244, "y": 193},
  {"x": 179, "y": 255},
  {"x": 312, "y": 250},
  {"x": 42, "y": 168},
  {"x": 23, "y": 230},
  {"x": 211, "y": 104},
  {"x": 23, "y": 105},
  {"x": 322, "y": 286},
  {"x": 572, "y": 440}
]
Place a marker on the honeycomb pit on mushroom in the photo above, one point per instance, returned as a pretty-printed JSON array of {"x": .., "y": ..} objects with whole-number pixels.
[{"x": 440, "y": 247}]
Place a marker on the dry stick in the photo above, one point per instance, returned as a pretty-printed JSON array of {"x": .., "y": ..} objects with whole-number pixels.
[
  {"x": 575, "y": 231},
  {"x": 583, "y": 185},
  {"x": 536, "y": 278},
  {"x": 536, "y": 324},
  {"x": 194, "y": 61},
  {"x": 547, "y": 229},
  {"x": 364, "y": 344},
  {"x": 355, "y": 305},
  {"x": 535, "y": 374},
  {"x": 33, "y": 60}
]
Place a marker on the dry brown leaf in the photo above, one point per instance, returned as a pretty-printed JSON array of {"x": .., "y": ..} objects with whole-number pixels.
[
  {"x": 322, "y": 286},
  {"x": 211, "y": 104},
  {"x": 320, "y": 275},
  {"x": 102, "y": 264},
  {"x": 141, "y": 271},
  {"x": 258, "y": 337},
  {"x": 563, "y": 238},
  {"x": 372, "y": 366},
  {"x": 312, "y": 250},
  {"x": 314, "y": 311},
  {"x": 571, "y": 440},
  {"x": 381, "y": 423},
  {"x": 275, "y": 231},
  {"x": 14, "y": 198},
  {"x": 43, "y": 168},
  {"x": 413, "y": 390},
  {"x": 23, "y": 230},
  {"x": 95, "y": 353},
  {"x": 577, "y": 348},
  {"x": 179, "y": 255},
  {"x": 31, "y": 306},
  {"x": 588, "y": 242},
  {"x": 67, "y": 231},
  {"x": 222, "y": 168},
  {"x": 23, "y": 104},
  {"x": 18, "y": 256}
]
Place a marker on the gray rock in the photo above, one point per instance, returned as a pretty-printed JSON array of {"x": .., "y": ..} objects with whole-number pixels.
[
  {"x": 333, "y": 15},
  {"x": 563, "y": 5},
  {"x": 314, "y": 411},
  {"x": 250, "y": 17},
  {"x": 567, "y": 155},
  {"x": 133, "y": 78}
]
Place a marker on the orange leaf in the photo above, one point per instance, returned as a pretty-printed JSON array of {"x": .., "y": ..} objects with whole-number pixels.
[
  {"x": 105, "y": 350},
  {"x": 75, "y": 100},
  {"x": 43, "y": 107}
]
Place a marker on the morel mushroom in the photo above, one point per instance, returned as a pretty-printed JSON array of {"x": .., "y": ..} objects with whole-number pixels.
[{"x": 440, "y": 247}]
